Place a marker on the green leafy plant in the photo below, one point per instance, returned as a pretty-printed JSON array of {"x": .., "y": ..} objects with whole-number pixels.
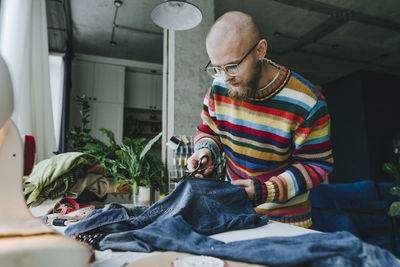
[
  {"x": 394, "y": 172},
  {"x": 128, "y": 163},
  {"x": 79, "y": 133},
  {"x": 105, "y": 153},
  {"x": 142, "y": 169},
  {"x": 84, "y": 111}
]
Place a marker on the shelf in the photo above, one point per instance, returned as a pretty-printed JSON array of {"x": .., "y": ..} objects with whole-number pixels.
[
  {"x": 150, "y": 121},
  {"x": 149, "y": 133},
  {"x": 142, "y": 109}
]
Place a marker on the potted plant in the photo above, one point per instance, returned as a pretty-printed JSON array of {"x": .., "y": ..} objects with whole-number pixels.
[
  {"x": 394, "y": 172},
  {"x": 76, "y": 136},
  {"x": 129, "y": 164},
  {"x": 141, "y": 170}
]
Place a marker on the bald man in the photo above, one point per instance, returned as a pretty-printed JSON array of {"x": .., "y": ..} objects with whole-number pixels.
[{"x": 272, "y": 124}]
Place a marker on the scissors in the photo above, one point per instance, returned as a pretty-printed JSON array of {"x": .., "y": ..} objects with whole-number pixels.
[{"x": 200, "y": 169}]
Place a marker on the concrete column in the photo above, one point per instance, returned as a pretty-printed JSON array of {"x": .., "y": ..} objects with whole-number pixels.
[
  {"x": 187, "y": 83},
  {"x": 191, "y": 82}
]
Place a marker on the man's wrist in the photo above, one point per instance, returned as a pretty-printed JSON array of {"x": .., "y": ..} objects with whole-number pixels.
[
  {"x": 209, "y": 146},
  {"x": 257, "y": 192}
]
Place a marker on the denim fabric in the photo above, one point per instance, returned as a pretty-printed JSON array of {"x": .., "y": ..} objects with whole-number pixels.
[
  {"x": 360, "y": 208},
  {"x": 200, "y": 207},
  {"x": 209, "y": 206},
  {"x": 317, "y": 249}
]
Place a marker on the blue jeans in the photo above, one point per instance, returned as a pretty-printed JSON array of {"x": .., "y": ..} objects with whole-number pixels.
[
  {"x": 209, "y": 206},
  {"x": 200, "y": 207},
  {"x": 319, "y": 249}
]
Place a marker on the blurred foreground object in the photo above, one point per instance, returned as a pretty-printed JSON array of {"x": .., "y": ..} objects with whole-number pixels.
[{"x": 25, "y": 241}]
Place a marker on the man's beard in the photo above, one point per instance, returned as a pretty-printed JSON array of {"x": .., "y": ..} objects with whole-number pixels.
[{"x": 249, "y": 89}]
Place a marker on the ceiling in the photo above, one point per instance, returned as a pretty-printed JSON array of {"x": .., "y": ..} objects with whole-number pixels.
[
  {"x": 321, "y": 39},
  {"x": 94, "y": 24}
]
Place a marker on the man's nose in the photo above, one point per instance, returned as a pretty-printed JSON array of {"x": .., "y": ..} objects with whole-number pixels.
[{"x": 226, "y": 76}]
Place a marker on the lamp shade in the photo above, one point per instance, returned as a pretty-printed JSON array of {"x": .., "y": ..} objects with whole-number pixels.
[{"x": 176, "y": 15}]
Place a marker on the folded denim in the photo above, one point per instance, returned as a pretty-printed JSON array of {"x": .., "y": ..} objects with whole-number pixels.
[{"x": 200, "y": 207}]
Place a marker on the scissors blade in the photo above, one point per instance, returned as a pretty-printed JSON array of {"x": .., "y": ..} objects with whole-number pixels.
[{"x": 200, "y": 168}]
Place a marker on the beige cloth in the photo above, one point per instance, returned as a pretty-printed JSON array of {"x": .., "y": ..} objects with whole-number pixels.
[
  {"x": 39, "y": 209},
  {"x": 93, "y": 182}
]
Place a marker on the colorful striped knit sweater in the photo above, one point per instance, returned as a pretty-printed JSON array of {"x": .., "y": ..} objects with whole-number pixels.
[{"x": 280, "y": 139}]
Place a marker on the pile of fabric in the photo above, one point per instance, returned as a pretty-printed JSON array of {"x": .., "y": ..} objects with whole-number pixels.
[
  {"x": 197, "y": 208},
  {"x": 67, "y": 186}
]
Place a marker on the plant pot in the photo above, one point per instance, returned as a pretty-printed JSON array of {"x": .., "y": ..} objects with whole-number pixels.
[
  {"x": 143, "y": 196},
  {"x": 154, "y": 196}
]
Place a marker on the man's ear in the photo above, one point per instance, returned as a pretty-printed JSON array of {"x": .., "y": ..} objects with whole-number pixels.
[{"x": 262, "y": 49}]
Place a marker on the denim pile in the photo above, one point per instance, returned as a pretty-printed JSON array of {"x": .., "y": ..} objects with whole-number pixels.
[{"x": 197, "y": 208}]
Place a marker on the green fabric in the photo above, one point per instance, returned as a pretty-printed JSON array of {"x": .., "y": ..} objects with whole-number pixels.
[
  {"x": 54, "y": 176},
  {"x": 64, "y": 182}
]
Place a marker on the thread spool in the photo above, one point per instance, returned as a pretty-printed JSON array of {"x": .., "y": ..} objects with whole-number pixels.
[{"x": 60, "y": 222}]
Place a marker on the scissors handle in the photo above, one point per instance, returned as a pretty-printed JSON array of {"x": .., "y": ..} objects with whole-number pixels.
[
  {"x": 201, "y": 160},
  {"x": 200, "y": 167}
]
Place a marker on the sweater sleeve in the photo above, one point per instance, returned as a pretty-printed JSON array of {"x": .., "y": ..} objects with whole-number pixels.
[
  {"x": 312, "y": 159},
  {"x": 207, "y": 134}
]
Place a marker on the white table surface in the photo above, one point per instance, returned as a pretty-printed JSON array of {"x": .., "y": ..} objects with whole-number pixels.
[{"x": 271, "y": 229}]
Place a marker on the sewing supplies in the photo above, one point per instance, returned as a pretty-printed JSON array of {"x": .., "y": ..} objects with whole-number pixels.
[{"x": 59, "y": 222}]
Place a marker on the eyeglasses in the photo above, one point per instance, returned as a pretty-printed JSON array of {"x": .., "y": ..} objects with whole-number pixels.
[{"x": 230, "y": 69}]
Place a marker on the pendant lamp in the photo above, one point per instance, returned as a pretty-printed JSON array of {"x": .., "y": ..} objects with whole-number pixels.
[{"x": 177, "y": 15}]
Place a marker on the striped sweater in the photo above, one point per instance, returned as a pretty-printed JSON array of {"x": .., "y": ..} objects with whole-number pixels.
[{"x": 280, "y": 139}]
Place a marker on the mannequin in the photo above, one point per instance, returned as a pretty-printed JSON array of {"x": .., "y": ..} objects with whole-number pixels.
[{"x": 24, "y": 240}]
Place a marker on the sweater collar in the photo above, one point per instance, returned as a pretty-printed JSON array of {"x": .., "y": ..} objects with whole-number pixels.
[{"x": 275, "y": 86}]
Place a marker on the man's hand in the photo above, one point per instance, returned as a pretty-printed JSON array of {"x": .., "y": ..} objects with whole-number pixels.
[
  {"x": 248, "y": 186},
  {"x": 193, "y": 162}
]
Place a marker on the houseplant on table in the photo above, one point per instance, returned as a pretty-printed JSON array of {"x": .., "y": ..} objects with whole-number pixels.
[
  {"x": 138, "y": 168},
  {"x": 129, "y": 164}
]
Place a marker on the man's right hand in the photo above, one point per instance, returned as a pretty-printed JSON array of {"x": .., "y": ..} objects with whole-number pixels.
[{"x": 193, "y": 162}]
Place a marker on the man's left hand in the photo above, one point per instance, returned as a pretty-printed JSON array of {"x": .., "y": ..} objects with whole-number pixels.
[{"x": 248, "y": 186}]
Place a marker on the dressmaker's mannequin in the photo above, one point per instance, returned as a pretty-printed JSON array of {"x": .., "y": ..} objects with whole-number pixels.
[{"x": 24, "y": 240}]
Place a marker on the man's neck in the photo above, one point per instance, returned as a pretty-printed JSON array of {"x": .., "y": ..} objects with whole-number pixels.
[{"x": 268, "y": 73}]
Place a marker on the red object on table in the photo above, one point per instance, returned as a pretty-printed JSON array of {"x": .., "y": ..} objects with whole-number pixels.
[{"x": 29, "y": 154}]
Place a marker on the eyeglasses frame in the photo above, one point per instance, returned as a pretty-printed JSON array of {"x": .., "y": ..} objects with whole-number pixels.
[{"x": 237, "y": 64}]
